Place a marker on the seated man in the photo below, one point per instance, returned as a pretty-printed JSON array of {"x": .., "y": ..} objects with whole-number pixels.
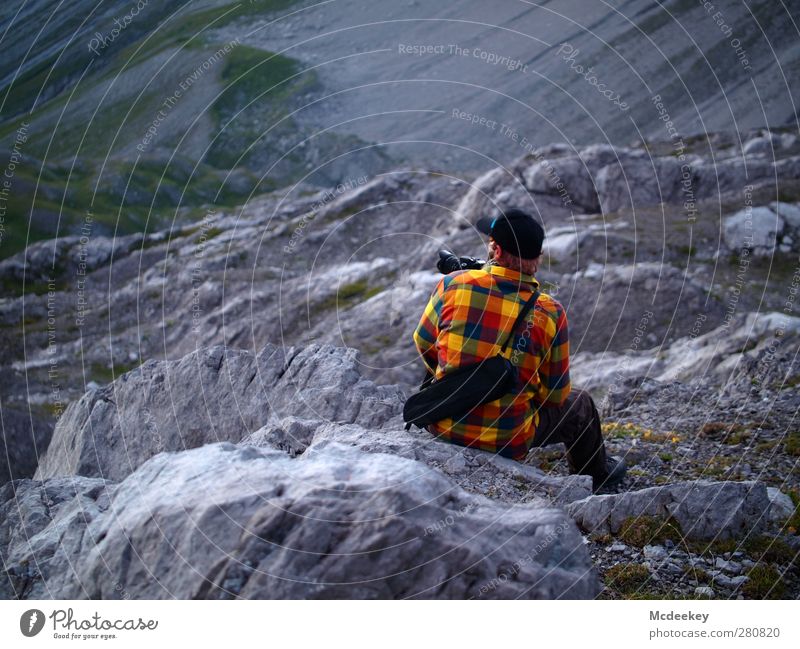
[{"x": 468, "y": 315}]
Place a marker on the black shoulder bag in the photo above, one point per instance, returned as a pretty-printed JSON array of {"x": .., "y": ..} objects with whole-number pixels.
[{"x": 465, "y": 388}]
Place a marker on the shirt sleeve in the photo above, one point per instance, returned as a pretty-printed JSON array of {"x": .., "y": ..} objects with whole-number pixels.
[
  {"x": 427, "y": 331},
  {"x": 555, "y": 386}
]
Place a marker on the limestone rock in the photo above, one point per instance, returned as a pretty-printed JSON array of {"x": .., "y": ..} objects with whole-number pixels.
[
  {"x": 704, "y": 509},
  {"x": 470, "y": 468},
  {"x": 23, "y": 439},
  {"x": 239, "y": 522},
  {"x": 43, "y": 530},
  {"x": 214, "y": 394},
  {"x": 781, "y": 506},
  {"x": 756, "y": 229}
]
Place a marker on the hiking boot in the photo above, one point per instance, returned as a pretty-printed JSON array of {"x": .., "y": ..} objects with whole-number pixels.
[{"x": 615, "y": 473}]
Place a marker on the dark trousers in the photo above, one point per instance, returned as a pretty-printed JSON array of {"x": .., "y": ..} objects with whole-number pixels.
[{"x": 576, "y": 424}]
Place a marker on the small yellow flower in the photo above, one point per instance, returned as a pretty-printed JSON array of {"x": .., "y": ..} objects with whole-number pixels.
[{"x": 675, "y": 439}]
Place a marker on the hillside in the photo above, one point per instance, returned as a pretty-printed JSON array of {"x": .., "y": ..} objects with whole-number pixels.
[
  {"x": 208, "y": 103},
  {"x": 225, "y": 344}
]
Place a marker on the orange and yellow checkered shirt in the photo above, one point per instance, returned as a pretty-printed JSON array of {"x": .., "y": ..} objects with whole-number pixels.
[{"x": 467, "y": 319}]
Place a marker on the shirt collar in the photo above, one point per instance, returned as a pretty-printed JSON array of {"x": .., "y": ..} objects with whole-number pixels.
[{"x": 511, "y": 275}]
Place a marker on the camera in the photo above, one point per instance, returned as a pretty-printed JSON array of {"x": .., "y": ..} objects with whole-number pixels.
[{"x": 450, "y": 263}]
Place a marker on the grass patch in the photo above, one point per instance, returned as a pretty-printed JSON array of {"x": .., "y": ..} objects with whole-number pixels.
[
  {"x": 726, "y": 433},
  {"x": 639, "y": 531},
  {"x": 349, "y": 295},
  {"x": 627, "y": 578},
  {"x": 771, "y": 550},
  {"x": 619, "y": 430},
  {"x": 713, "y": 548},
  {"x": 604, "y": 539},
  {"x": 268, "y": 85},
  {"x": 792, "y": 444},
  {"x": 104, "y": 374},
  {"x": 764, "y": 583},
  {"x": 793, "y": 522}
]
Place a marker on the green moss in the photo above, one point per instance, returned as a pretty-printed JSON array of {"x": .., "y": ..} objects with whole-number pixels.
[
  {"x": 698, "y": 573},
  {"x": 639, "y": 531},
  {"x": 725, "y": 432},
  {"x": 792, "y": 443},
  {"x": 763, "y": 447},
  {"x": 260, "y": 87},
  {"x": 765, "y": 583},
  {"x": 104, "y": 374},
  {"x": 788, "y": 382},
  {"x": 771, "y": 550},
  {"x": 208, "y": 234},
  {"x": 348, "y": 295},
  {"x": 793, "y": 522},
  {"x": 604, "y": 539},
  {"x": 713, "y": 548},
  {"x": 627, "y": 578}
]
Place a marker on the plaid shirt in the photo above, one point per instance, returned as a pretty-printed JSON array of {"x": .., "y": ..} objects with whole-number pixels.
[{"x": 467, "y": 319}]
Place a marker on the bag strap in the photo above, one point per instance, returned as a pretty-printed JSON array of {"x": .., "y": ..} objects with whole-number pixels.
[{"x": 524, "y": 312}]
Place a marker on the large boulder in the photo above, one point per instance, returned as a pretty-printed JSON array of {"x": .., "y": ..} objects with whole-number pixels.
[
  {"x": 474, "y": 470},
  {"x": 45, "y": 260},
  {"x": 240, "y": 522},
  {"x": 638, "y": 181},
  {"x": 211, "y": 395},
  {"x": 40, "y": 521},
  {"x": 703, "y": 509},
  {"x": 757, "y": 229}
]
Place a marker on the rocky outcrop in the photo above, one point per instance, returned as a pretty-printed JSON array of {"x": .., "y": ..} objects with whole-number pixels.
[
  {"x": 717, "y": 354},
  {"x": 703, "y": 509},
  {"x": 23, "y": 440},
  {"x": 763, "y": 230},
  {"x": 240, "y": 522},
  {"x": 602, "y": 178},
  {"x": 475, "y": 471},
  {"x": 46, "y": 260},
  {"x": 211, "y": 395}
]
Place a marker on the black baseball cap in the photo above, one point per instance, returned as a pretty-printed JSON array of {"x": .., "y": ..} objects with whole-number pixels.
[{"x": 516, "y": 231}]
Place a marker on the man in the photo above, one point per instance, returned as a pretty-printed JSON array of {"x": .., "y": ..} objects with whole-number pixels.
[{"x": 466, "y": 320}]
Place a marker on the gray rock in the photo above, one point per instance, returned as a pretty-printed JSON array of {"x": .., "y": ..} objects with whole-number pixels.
[
  {"x": 704, "y": 591},
  {"x": 23, "y": 439},
  {"x": 674, "y": 568},
  {"x": 764, "y": 145},
  {"x": 731, "y": 567},
  {"x": 225, "y": 521},
  {"x": 704, "y": 509},
  {"x": 53, "y": 258},
  {"x": 215, "y": 394},
  {"x": 289, "y": 434},
  {"x": 470, "y": 468},
  {"x": 43, "y": 530},
  {"x": 640, "y": 181},
  {"x": 568, "y": 177},
  {"x": 788, "y": 212},
  {"x": 756, "y": 229},
  {"x": 781, "y": 505},
  {"x": 655, "y": 553}
]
